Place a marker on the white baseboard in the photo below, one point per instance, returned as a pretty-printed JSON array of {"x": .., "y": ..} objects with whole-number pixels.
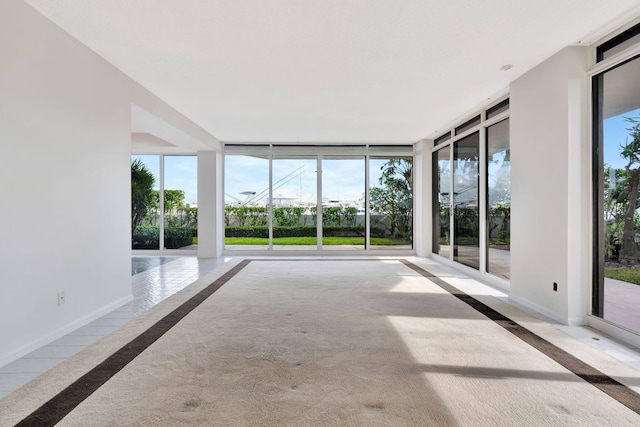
[
  {"x": 16, "y": 354},
  {"x": 539, "y": 309}
]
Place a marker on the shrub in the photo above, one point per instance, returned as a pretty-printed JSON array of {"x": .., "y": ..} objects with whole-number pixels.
[
  {"x": 246, "y": 232},
  {"x": 343, "y": 231},
  {"x": 177, "y": 237},
  {"x": 146, "y": 237},
  {"x": 287, "y": 216},
  {"x": 301, "y": 231}
]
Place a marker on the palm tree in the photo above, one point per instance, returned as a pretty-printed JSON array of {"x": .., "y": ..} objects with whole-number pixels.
[
  {"x": 631, "y": 152},
  {"x": 142, "y": 181}
]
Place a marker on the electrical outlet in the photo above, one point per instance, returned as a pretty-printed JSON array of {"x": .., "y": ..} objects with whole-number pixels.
[{"x": 61, "y": 297}]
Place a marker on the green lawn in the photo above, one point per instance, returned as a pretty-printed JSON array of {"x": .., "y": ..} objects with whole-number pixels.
[
  {"x": 631, "y": 275},
  {"x": 310, "y": 241}
]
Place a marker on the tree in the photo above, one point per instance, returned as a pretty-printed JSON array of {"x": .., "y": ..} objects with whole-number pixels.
[
  {"x": 631, "y": 153},
  {"x": 615, "y": 207},
  {"x": 142, "y": 181},
  {"x": 173, "y": 205},
  {"x": 394, "y": 196}
]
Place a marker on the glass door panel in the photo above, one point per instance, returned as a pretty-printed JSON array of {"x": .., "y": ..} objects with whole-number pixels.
[
  {"x": 441, "y": 193},
  {"x": 499, "y": 200},
  {"x": 391, "y": 202},
  {"x": 466, "y": 219},
  {"x": 294, "y": 203},
  {"x": 145, "y": 202},
  {"x": 246, "y": 194},
  {"x": 343, "y": 188},
  {"x": 180, "y": 202},
  {"x": 617, "y": 296}
]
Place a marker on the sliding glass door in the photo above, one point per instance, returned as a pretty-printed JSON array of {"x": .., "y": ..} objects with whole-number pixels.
[
  {"x": 164, "y": 202},
  {"x": 466, "y": 201},
  {"x": 441, "y": 196},
  {"x": 616, "y": 296},
  {"x": 145, "y": 202},
  {"x": 471, "y": 193},
  {"x": 291, "y": 197},
  {"x": 294, "y": 202},
  {"x": 343, "y": 190},
  {"x": 180, "y": 202},
  {"x": 246, "y": 221},
  {"x": 391, "y": 202},
  {"x": 499, "y": 200}
]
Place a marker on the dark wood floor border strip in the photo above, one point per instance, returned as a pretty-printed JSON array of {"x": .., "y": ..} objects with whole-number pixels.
[
  {"x": 54, "y": 410},
  {"x": 598, "y": 379}
]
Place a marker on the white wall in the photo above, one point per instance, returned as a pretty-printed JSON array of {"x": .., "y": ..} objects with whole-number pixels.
[
  {"x": 549, "y": 186},
  {"x": 64, "y": 179}
]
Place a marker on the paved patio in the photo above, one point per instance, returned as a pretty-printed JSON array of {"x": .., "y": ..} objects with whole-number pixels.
[{"x": 622, "y": 304}]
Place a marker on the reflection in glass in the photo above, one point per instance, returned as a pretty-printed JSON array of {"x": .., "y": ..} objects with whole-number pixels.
[
  {"x": 391, "y": 202},
  {"x": 466, "y": 220},
  {"x": 499, "y": 108},
  {"x": 180, "y": 202},
  {"x": 619, "y": 43},
  {"x": 246, "y": 194},
  {"x": 441, "y": 202},
  {"x": 619, "y": 180},
  {"x": 145, "y": 208},
  {"x": 499, "y": 200},
  {"x": 471, "y": 123},
  {"x": 295, "y": 192},
  {"x": 343, "y": 190}
]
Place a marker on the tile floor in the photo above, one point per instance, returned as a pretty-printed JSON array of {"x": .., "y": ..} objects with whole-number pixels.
[
  {"x": 153, "y": 279},
  {"x": 156, "y": 278}
]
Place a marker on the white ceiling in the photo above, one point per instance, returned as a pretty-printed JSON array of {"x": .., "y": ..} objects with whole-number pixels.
[{"x": 330, "y": 70}]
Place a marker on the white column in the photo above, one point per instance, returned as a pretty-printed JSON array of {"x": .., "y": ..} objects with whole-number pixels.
[
  {"x": 207, "y": 204},
  {"x": 422, "y": 215}
]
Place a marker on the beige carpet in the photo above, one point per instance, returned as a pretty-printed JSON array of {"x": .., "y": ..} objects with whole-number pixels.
[{"x": 330, "y": 342}]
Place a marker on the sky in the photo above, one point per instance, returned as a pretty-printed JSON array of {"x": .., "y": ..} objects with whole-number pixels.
[
  {"x": 615, "y": 135},
  {"x": 295, "y": 179},
  {"x": 180, "y": 173}
]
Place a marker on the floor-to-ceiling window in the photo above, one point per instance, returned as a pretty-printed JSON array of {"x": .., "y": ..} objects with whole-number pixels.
[
  {"x": 616, "y": 166},
  {"x": 180, "y": 202},
  {"x": 343, "y": 189},
  {"x": 498, "y": 166},
  {"x": 441, "y": 168},
  {"x": 471, "y": 194},
  {"x": 466, "y": 200},
  {"x": 145, "y": 203},
  {"x": 246, "y": 196},
  {"x": 164, "y": 202},
  {"x": 391, "y": 202},
  {"x": 319, "y": 197},
  {"x": 295, "y": 202}
]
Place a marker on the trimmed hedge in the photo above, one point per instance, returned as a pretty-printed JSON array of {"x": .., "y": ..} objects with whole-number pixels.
[
  {"x": 247, "y": 232},
  {"x": 308, "y": 231},
  {"x": 177, "y": 237},
  {"x": 304, "y": 231},
  {"x": 148, "y": 237}
]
